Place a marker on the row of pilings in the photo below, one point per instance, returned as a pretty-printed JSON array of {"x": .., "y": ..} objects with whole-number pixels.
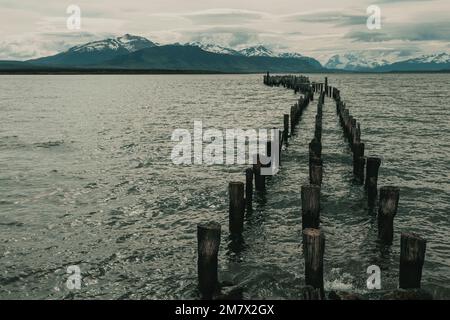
[{"x": 412, "y": 252}]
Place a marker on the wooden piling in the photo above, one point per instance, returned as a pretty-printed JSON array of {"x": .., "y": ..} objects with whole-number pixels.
[
  {"x": 310, "y": 195},
  {"x": 358, "y": 162},
  {"x": 412, "y": 258},
  {"x": 313, "y": 251},
  {"x": 387, "y": 210},
  {"x": 260, "y": 180},
  {"x": 316, "y": 174},
  {"x": 236, "y": 208},
  {"x": 208, "y": 241},
  {"x": 315, "y": 148},
  {"x": 286, "y": 128},
  {"x": 314, "y": 161},
  {"x": 249, "y": 188},
  {"x": 280, "y": 145},
  {"x": 293, "y": 111},
  {"x": 373, "y": 164}
]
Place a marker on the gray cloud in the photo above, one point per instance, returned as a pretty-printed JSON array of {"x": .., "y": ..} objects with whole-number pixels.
[
  {"x": 47, "y": 43},
  {"x": 438, "y": 31},
  {"x": 223, "y": 17},
  {"x": 231, "y": 37},
  {"x": 330, "y": 17},
  {"x": 33, "y": 29},
  {"x": 368, "y": 36}
]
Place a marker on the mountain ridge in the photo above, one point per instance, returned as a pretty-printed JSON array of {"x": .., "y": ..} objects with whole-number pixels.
[
  {"x": 120, "y": 52},
  {"x": 134, "y": 52},
  {"x": 191, "y": 57}
]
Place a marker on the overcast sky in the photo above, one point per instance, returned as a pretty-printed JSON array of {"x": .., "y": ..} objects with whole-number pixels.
[{"x": 318, "y": 28}]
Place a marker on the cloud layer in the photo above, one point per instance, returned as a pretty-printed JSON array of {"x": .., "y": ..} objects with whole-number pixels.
[{"x": 319, "y": 28}]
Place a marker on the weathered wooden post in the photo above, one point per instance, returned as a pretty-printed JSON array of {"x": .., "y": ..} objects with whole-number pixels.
[
  {"x": 208, "y": 241},
  {"x": 318, "y": 127},
  {"x": 358, "y": 162},
  {"x": 280, "y": 145},
  {"x": 387, "y": 210},
  {"x": 260, "y": 180},
  {"x": 314, "y": 161},
  {"x": 352, "y": 134},
  {"x": 249, "y": 188},
  {"x": 313, "y": 251},
  {"x": 373, "y": 164},
  {"x": 315, "y": 148},
  {"x": 310, "y": 195},
  {"x": 286, "y": 128},
  {"x": 269, "y": 153},
  {"x": 292, "y": 120},
  {"x": 315, "y": 174},
  {"x": 412, "y": 258},
  {"x": 236, "y": 208}
]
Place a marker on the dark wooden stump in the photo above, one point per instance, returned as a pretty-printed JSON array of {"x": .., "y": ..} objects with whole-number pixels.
[
  {"x": 387, "y": 210},
  {"x": 316, "y": 174},
  {"x": 260, "y": 180},
  {"x": 314, "y": 161},
  {"x": 412, "y": 258},
  {"x": 313, "y": 251},
  {"x": 249, "y": 188},
  {"x": 286, "y": 128},
  {"x": 315, "y": 148},
  {"x": 310, "y": 195},
  {"x": 358, "y": 162},
  {"x": 237, "y": 207},
  {"x": 372, "y": 165},
  {"x": 292, "y": 131},
  {"x": 208, "y": 240}
]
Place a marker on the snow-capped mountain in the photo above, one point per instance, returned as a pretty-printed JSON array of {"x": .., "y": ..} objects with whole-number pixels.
[
  {"x": 133, "y": 52},
  {"x": 437, "y": 58},
  {"x": 382, "y": 61},
  {"x": 428, "y": 62},
  {"x": 214, "y": 48},
  {"x": 97, "y": 51},
  {"x": 257, "y": 51},
  {"x": 126, "y": 42},
  {"x": 254, "y": 51},
  {"x": 362, "y": 60}
]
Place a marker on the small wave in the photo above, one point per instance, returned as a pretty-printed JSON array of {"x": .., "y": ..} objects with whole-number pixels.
[
  {"x": 128, "y": 146},
  {"x": 11, "y": 224},
  {"x": 92, "y": 185},
  {"x": 49, "y": 144}
]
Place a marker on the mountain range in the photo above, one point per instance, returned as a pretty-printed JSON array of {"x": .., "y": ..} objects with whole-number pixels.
[
  {"x": 130, "y": 52},
  {"x": 388, "y": 61}
]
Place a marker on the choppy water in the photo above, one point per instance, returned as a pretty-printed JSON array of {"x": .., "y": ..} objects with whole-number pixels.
[{"x": 86, "y": 179}]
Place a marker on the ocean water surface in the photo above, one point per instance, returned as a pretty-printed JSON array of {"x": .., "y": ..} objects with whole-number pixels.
[{"x": 86, "y": 179}]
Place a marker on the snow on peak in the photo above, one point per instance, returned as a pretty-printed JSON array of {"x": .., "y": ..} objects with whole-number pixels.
[
  {"x": 254, "y": 51},
  {"x": 261, "y": 51},
  {"x": 126, "y": 42},
  {"x": 360, "y": 60},
  {"x": 214, "y": 48},
  {"x": 257, "y": 51},
  {"x": 437, "y": 58}
]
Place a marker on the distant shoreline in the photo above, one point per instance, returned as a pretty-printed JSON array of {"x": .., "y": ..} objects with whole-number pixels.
[{"x": 180, "y": 72}]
